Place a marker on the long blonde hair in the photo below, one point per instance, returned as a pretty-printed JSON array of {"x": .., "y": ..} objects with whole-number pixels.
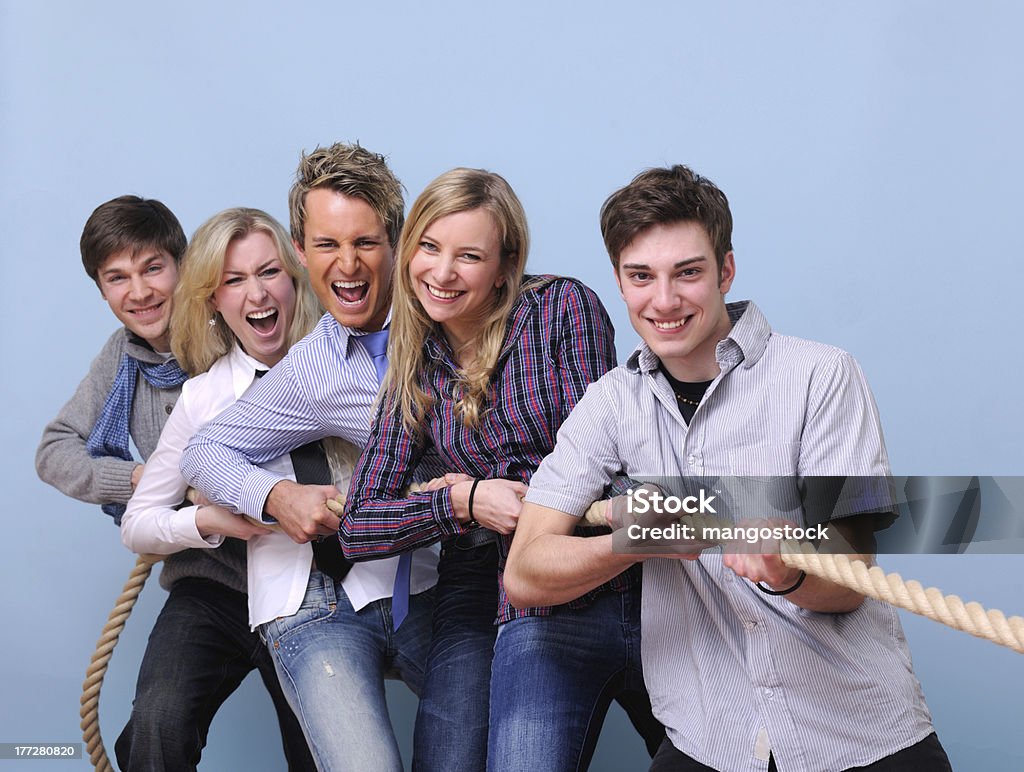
[
  {"x": 458, "y": 190},
  {"x": 196, "y": 343}
]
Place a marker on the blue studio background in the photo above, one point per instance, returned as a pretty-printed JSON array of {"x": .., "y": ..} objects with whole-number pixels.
[{"x": 871, "y": 153}]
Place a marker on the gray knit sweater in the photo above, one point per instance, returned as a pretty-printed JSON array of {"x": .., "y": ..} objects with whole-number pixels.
[{"x": 63, "y": 461}]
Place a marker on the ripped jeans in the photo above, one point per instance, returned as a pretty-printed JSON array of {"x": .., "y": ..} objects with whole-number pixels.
[{"x": 332, "y": 662}]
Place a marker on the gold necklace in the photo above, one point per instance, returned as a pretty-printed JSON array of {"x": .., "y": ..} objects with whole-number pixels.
[{"x": 685, "y": 401}]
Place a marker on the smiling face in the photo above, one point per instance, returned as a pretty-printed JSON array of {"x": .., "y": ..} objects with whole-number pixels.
[
  {"x": 256, "y": 297},
  {"x": 139, "y": 290},
  {"x": 456, "y": 270},
  {"x": 348, "y": 257},
  {"x": 676, "y": 297}
]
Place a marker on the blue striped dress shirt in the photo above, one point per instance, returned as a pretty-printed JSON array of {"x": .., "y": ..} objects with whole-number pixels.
[{"x": 324, "y": 387}]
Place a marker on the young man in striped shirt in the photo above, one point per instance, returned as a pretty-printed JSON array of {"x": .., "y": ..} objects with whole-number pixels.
[{"x": 750, "y": 665}]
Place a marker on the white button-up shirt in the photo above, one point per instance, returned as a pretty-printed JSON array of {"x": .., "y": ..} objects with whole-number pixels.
[{"x": 278, "y": 568}]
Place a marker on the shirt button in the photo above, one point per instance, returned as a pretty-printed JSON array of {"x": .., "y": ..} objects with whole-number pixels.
[
  {"x": 768, "y": 694},
  {"x": 691, "y": 460},
  {"x": 168, "y": 409},
  {"x": 750, "y": 624}
]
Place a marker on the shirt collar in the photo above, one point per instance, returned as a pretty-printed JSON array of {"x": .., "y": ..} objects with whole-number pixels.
[
  {"x": 530, "y": 296},
  {"x": 139, "y": 349},
  {"x": 745, "y": 342},
  {"x": 243, "y": 369},
  {"x": 346, "y": 334}
]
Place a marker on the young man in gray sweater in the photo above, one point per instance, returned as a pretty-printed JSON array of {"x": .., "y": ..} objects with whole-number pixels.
[{"x": 201, "y": 646}]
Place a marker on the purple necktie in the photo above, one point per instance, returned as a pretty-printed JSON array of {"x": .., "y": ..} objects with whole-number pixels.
[{"x": 376, "y": 345}]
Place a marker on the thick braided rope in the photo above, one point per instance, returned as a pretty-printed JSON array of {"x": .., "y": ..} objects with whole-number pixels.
[
  {"x": 101, "y": 656},
  {"x": 855, "y": 575},
  {"x": 872, "y": 581},
  {"x": 97, "y": 670},
  {"x": 950, "y": 610}
]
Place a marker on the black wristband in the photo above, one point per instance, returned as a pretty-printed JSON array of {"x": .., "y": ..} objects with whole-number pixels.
[
  {"x": 472, "y": 493},
  {"x": 787, "y": 591}
]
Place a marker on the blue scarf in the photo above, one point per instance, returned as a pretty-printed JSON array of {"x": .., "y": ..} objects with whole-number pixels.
[{"x": 110, "y": 435}]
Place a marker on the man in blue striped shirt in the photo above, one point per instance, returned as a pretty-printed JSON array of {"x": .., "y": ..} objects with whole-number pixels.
[
  {"x": 350, "y": 631},
  {"x": 750, "y": 665},
  {"x": 346, "y": 215}
]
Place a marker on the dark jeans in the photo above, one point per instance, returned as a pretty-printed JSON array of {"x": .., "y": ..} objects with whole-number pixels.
[
  {"x": 451, "y": 723},
  {"x": 925, "y": 756},
  {"x": 553, "y": 678},
  {"x": 199, "y": 651}
]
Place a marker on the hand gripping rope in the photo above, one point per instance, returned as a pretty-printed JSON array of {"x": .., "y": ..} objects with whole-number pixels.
[
  {"x": 872, "y": 581},
  {"x": 855, "y": 575}
]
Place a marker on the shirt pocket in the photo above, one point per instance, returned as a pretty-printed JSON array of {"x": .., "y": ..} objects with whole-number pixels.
[
  {"x": 765, "y": 461},
  {"x": 764, "y": 481}
]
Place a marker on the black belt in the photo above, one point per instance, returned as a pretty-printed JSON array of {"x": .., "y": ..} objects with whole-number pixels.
[{"x": 477, "y": 537}]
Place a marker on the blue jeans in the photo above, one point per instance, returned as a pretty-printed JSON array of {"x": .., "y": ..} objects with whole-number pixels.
[
  {"x": 451, "y": 724},
  {"x": 198, "y": 653},
  {"x": 553, "y": 679},
  {"x": 332, "y": 662}
]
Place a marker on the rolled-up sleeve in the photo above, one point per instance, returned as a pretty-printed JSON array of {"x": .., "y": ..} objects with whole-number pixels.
[{"x": 585, "y": 458}]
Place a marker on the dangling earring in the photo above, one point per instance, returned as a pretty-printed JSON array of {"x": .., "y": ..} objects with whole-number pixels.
[{"x": 212, "y": 322}]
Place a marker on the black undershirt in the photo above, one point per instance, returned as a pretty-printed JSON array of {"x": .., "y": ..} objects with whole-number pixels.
[{"x": 688, "y": 395}]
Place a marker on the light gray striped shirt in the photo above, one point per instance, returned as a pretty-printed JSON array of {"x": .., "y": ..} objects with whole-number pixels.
[{"x": 733, "y": 672}]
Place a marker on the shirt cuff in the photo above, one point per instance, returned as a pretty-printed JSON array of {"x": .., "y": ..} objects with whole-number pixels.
[
  {"x": 184, "y": 530},
  {"x": 444, "y": 513},
  {"x": 114, "y": 479},
  {"x": 567, "y": 502},
  {"x": 255, "y": 489}
]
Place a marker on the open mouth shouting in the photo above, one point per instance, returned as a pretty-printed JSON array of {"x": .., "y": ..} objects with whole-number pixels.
[
  {"x": 263, "y": 322},
  {"x": 351, "y": 293}
]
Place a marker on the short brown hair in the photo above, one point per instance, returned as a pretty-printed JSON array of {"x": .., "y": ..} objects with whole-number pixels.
[
  {"x": 129, "y": 223},
  {"x": 662, "y": 197},
  {"x": 353, "y": 171}
]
